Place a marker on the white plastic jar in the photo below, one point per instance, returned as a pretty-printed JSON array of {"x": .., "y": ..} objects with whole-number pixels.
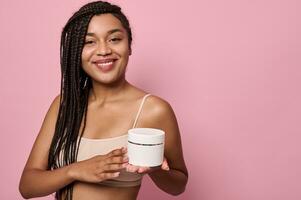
[{"x": 146, "y": 146}]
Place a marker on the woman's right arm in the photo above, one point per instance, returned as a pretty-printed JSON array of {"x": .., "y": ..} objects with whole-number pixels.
[{"x": 37, "y": 181}]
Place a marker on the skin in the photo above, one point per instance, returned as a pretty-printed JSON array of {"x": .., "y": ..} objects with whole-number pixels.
[{"x": 115, "y": 101}]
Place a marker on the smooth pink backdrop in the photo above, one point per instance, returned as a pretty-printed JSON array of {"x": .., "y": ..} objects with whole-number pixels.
[{"x": 230, "y": 69}]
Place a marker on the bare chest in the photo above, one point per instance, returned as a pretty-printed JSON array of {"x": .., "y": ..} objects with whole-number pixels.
[{"x": 109, "y": 121}]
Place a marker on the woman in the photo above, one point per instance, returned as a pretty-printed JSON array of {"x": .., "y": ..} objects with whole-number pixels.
[{"x": 80, "y": 151}]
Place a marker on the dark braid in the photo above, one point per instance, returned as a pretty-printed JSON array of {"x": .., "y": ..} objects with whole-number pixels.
[{"x": 75, "y": 87}]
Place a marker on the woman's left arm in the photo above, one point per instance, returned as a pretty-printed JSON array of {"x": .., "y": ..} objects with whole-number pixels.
[{"x": 175, "y": 179}]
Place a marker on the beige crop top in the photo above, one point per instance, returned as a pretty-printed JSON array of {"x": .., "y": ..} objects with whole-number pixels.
[{"x": 92, "y": 147}]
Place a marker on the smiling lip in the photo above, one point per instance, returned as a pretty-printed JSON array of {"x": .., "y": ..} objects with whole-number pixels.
[{"x": 105, "y": 65}]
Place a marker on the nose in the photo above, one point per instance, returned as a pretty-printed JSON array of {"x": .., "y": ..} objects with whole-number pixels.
[{"x": 103, "y": 49}]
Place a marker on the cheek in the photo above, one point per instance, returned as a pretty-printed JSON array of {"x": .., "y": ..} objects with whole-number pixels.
[
  {"x": 124, "y": 50},
  {"x": 86, "y": 54},
  {"x": 85, "y": 58}
]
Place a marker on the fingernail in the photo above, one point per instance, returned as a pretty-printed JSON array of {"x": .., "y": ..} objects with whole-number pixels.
[
  {"x": 124, "y": 165},
  {"x": 165, "y": 168},
  {"x": 125, "y": 159}
]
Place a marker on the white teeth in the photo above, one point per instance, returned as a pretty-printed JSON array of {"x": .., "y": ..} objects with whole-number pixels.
[{"x": 104, "y": 64}]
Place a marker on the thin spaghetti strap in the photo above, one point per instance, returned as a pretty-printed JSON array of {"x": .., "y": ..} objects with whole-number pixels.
[{"x": 140, "y": 108}]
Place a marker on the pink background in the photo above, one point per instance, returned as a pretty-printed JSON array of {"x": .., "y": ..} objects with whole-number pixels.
[{"x": 230, "y": 69}]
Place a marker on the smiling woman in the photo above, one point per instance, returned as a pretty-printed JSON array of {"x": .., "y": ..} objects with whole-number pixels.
[
  {"x": 80, "y": 151},
  {"x": 106, "y": 51}
]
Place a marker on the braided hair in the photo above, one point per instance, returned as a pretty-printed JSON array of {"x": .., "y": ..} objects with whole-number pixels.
[{"x": 75, "y": 87}]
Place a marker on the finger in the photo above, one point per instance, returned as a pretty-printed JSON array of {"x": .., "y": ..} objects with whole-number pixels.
[
  {"x": 143, "y": 169},
  {"x": 132, "y": 168},
  {"x": 117, "y": 152},
  {"x": 165, "y": 165},
  {"x": 114, "y": 167},
  {"x": 108, "y": 175},
  {"x": 117, "y": 160}
]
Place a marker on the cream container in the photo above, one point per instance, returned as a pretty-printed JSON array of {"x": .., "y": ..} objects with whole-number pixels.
[{"x": 146, "y": 146}]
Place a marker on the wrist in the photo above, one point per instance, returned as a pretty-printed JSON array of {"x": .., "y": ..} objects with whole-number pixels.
[{"x": 71, "y": 171}]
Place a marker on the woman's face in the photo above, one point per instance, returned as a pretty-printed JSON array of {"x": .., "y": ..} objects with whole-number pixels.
[{"x": 106, "y": 50}]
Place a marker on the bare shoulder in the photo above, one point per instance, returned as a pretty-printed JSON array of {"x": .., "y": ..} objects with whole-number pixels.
[
  {"x": 56, "y": 103},
  {"x": 57, "y": 99},
  {"x": 159, "y": 104},
  {"x": 51, "y": 117},
  {"x": 53, "y": 109},
  {"x": 39, "y": 153},
  {"x": 159, "y": 109},
  {"x": 52, "y": 112}
]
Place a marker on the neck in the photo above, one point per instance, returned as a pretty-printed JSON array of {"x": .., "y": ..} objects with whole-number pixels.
[{"x": 101, "y": 93}]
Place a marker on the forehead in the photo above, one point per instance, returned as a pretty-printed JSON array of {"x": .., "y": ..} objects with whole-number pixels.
[{"x": 100, "y": 24}]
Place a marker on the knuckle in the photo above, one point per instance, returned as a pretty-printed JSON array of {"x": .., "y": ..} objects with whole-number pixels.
[
  {"x": 109, "y": 167},
  {"x": 100, "y": 165},
  {"x": 119, "y": 159},
  {"x": 117, "y": 152},
  {"x": 114, "y": 159},
  {"x": 100, "y": 177},
  {"x": 117, "y": 166},
  {"x": 105, "y": 176}
]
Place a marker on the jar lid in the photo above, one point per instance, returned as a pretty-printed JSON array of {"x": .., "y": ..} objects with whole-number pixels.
[{"x": 146, "y": 136}]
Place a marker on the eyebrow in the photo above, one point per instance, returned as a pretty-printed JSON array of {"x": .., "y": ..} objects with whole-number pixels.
[{"x": 109, "y": 32}]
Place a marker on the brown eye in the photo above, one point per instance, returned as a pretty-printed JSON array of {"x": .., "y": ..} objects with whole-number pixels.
[
  {"x": 115, "y": 39},
  {"x": 88, "y": 42}
]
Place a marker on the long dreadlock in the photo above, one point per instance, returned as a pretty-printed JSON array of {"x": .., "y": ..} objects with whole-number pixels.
[{"x": 75, "y": 87}]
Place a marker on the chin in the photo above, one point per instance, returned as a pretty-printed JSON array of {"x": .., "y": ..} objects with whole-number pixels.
[{"x": 110, "y": 81}]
